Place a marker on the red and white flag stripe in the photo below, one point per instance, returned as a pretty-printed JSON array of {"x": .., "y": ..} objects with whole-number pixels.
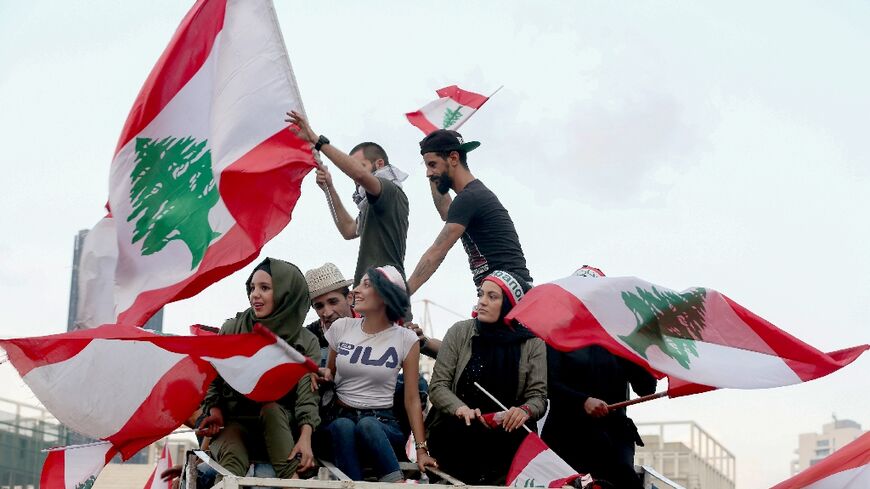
[
  {"x": 132, "y": 387},
  {"x": 163, "y": 463},
  {"x": 699, "y": 338},
  {"x": 453, "y": 107},
  {"x": 536, "y": 465},
  {"x": 75, "y": 467},
  {"x": 846, "y": 468}
]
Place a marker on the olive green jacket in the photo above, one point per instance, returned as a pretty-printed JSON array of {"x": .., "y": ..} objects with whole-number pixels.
[{"x": 453, "y": 356}]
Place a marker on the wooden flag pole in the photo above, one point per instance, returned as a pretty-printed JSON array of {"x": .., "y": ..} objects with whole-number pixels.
[
  {"x": 497, "y": 402},
  {"x": 611, "y": 407}
]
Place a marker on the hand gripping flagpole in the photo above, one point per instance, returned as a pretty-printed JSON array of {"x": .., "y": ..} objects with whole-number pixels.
[
  {"x": 611, "y": 407},
  {"x": 497, "y": 402}
]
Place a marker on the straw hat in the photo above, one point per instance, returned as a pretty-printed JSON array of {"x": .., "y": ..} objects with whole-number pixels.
[{"x": 325, "y": 279}]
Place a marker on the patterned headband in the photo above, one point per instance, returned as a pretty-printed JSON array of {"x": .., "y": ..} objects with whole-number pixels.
[
  {"x": 390, "y": 273},
  {"x": 508, "y": 284}
]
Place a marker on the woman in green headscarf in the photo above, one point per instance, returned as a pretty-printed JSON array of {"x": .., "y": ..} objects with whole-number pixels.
[{"x": 280, "y": 431}]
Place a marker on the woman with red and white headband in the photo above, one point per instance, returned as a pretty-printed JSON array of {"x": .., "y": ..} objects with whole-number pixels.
[
  {"x": 510, "y": 363},
  {"x": 365, "y": 356}
]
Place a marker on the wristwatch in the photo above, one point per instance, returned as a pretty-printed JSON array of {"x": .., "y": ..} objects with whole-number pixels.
[
  {"x": 421, "y": 445},
  {"x": 320, "y": 142}
]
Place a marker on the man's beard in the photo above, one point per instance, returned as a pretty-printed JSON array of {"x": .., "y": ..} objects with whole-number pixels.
[{"x": 444, "y": 183}]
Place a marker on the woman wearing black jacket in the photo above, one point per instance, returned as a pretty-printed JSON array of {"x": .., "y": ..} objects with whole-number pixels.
[{"x": 579, "y": 427}]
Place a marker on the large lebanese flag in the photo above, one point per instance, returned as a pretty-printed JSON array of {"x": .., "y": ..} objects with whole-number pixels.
[
  {"x": 205, "y": 171},
  {"x": 132, "y": 387},
  {"x": 536, "y": 465},
  {"x": 453, "y": 107},
  {"x": 75, "y": 467},
  {"x": 699, "y": 338},
  {"x": 847, "y": 468}
]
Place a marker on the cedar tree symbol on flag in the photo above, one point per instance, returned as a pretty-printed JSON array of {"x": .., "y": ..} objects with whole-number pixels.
[
  {"x": 536, "y": 465},
  {"x": 205, "y": 171},
  {"x": 699, "y": 338},
  {"x": 847, "y": 468},
  {"x": 131, "y": 387},
  {"x": 163, "y": 463},
  {"x": 453, "y": 107},
  {"x": 75, "y": 467}
]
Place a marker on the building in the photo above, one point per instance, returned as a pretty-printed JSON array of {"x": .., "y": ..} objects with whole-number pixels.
[
  {"x": 813, "y": 447},
  {"x": 25, "y": 431},
  {"x": 686, "y": 454}
]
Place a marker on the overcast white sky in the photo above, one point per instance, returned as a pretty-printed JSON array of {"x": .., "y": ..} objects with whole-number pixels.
[{"x": 722, "y": 146}]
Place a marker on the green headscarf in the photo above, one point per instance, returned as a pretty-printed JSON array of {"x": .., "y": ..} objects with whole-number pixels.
[{"x": 290, "y": 296}]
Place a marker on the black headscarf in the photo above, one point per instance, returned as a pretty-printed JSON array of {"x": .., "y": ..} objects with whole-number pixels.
[{"x": 495, "y": 361}]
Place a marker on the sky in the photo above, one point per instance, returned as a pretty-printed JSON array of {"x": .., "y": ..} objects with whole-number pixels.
[{"x": 719, "y": 145}]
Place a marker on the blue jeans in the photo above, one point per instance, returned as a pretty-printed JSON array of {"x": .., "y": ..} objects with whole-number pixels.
[{"x": 373, "y": 434}]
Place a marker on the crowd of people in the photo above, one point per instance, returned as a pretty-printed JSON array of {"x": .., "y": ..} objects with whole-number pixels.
[{"x": 361, "y": 408}]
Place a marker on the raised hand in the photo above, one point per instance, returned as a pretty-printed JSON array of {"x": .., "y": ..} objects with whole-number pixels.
[{"x": 302, "y": 129}]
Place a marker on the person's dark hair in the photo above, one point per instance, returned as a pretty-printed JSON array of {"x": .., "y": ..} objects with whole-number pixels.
[
  {"x": 463, "y": 156},
  {"x": 394, "y": 297},
  {"x": 265, "y": 266},
  {"x": 344, "y": 291},
  {"x": 372, "y": 152}
]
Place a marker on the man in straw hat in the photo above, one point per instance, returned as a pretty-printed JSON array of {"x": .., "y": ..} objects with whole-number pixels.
[
  {"x": 475, "y": 214},
  {"x": 382, "y": 222},
  {"x": 331, "y": 299}
]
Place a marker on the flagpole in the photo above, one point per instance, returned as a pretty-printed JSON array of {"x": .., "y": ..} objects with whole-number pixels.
[
  {"x": 611, "y": 407},
  {"x": 102, "y": 442},
  {"x": 481, "y": 105},
  {"x": 497, "y": 402}
]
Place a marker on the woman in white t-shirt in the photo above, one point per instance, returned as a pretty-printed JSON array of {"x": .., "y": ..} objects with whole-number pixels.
[{"x": 365, "y": 356}]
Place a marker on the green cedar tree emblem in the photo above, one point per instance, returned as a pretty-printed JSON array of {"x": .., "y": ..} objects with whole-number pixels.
[
  {"x": 667, "y": 319},
  {"x": 451, "y": 116},
  {"x": 172, "y": 191},
  {"x": 87, "y": 483}
]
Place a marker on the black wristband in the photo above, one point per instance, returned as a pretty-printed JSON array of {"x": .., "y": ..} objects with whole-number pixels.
[{"x": 320, "y": 142}]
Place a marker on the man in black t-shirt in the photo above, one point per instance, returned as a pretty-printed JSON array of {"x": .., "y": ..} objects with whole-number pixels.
[
  {"x": 475, "y": 215},
  {"x": 382, "y": 222}
]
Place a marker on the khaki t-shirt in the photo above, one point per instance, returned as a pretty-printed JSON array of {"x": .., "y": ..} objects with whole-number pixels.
[{"x": 384, "y": 230}]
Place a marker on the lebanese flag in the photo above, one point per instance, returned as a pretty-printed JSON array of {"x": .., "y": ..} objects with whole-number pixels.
[
  {"x": 75, "y": 467},
  {"x": 536, "y": 465},
  {"x": 453, "y": 107},
  {"x": 493, "y": 420},
  {"x": 132, "y": 387},
  {"x": 699, "y": 338},
  {"x": 163, "y": 463},
  {"x": 847, "y": 468},
  {"x": 98, "y": 259},
  {"x": 205, "y": 171}
]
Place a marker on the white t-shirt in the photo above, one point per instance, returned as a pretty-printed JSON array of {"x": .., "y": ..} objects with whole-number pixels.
[{"x": 367, "y": 365}]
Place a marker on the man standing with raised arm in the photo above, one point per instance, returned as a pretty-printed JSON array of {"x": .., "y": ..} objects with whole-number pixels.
[
  {"x": 476, "y": 215},
  {"x": 382, "y": 223}
]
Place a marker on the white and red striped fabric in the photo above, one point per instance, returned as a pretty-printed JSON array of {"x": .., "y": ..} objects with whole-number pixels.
[
  {"x": 846, "y": 468},
  {"x": 536, "y": 465},
  {"x": 131, "y": 387},
  {"x": 699, "y": 338},
  {"x": 205, "y": 171},
  {"x": 163, "y": 463},
  {"x": 75, "y": 467},
  {"x": 453, "y": 107}
]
